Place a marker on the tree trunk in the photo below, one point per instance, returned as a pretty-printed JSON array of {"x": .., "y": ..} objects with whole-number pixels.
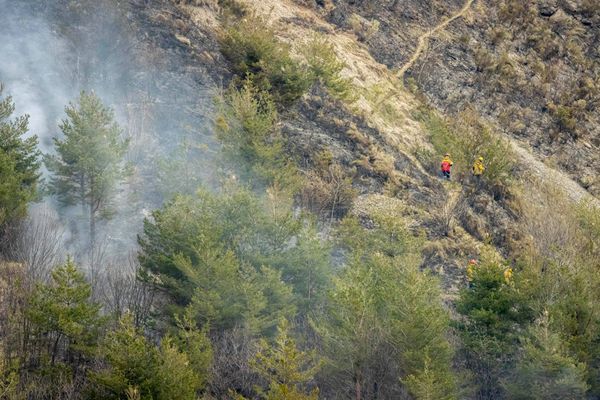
[
  {"x": 92, "y": 227},
  {"x": 357, "y": 387},
  {"x": 92, "y": 216}
]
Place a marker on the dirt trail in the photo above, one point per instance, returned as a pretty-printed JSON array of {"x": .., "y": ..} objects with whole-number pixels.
[
  {"x": 540, "y": 170},
  {"x": 424, "y": 39}
]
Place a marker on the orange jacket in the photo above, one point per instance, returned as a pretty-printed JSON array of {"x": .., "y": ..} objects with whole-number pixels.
[{"x": 446, "y": 164}]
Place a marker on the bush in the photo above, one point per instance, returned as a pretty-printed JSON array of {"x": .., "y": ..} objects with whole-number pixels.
[
  {"x": 246, "y": 126},
  {"x": 363, "y": 28},
  {"x": 328, "y": 190},
  {"x": 326, "y": 68},
  {"x": 466, "y": 137},
  {"x": 257, "y": 55}
]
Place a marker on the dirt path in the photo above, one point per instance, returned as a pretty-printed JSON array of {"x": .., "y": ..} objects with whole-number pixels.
[
  {"x": 424, "y": 39},
  {"x": 540, "y": 170}
]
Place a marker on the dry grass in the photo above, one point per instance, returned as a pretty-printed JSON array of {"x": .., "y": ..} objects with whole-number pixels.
[{"x": 399, "y": 131}]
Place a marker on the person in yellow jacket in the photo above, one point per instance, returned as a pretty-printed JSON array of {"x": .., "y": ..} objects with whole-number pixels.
[
  {"x": 478, "y": 167},
  {"x": 471, "y": 270},
  {"x": 508, "y": 273}
]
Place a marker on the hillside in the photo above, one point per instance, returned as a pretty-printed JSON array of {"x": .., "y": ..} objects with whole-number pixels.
[{"x": 232, "y": 199}]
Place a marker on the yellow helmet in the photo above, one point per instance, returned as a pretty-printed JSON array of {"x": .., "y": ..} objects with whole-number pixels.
[{"x": 480, "y": 158}]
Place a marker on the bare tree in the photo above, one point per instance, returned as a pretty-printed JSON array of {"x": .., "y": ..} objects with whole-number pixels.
[
  {"x": 450, "y": 206},
  {"x": 39, "y": 243},
  {"x": 233, "y": 350},
  {"x": 122, "y": 291}
]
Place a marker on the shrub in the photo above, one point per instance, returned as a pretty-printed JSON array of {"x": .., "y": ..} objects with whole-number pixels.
[
  {"x": 564, "y": 117},
  {"x": 484, "y": 60},
  {"x": 326, "y": 68},
  {"x": 328, "y": 190},
  {"x": 363, "y": 28},
  {"x": 246, "y": 126},
  {"x": 256, "y": 54},
  {"x": 466, "y": 137}
]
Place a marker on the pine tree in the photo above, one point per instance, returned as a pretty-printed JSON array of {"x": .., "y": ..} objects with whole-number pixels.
[
  {"x": 495, "y": 313},
  {"x": 89, "y": 161},
  {"x": 138, "y": 369},
  {"x": 63, "y": 316},
  {"x": 131, "y": 363},
  {"x": 288, "y": 370},
  {"x": 196, "y": 344},
  {"x": 385, "y": 322},
  {"x": 546, "y": 370},
  {"x": 19, "y": 163},
  {"x": 232, "y": 255}
]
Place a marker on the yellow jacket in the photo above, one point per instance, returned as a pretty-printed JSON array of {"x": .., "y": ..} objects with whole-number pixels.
[
  {"x": 471, "y": 271},
  {"x": 478, "y": 168},
  {"x": 508, "y": 275}
]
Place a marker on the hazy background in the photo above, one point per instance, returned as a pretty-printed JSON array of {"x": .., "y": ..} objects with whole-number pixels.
[{"x": 51, "y": 50}]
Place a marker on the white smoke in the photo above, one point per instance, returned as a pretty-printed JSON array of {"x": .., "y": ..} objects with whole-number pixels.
[
  {"x": 47, "y": 56},
  {"x": 31, "y": 70}
]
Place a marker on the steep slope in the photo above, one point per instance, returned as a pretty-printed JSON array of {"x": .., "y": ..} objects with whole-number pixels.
[{"x": 532, "y": 69}]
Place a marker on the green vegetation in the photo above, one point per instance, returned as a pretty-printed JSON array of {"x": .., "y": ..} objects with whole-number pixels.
[
  {"x": 278, "y": 281},
  {"x": 89, "y": 161},
  {"x": 136, "y": 366},
  {"x": 256, "y": 54},
  {"x": 247, "y": 128},
  {"x": 545, "y": 370},
  {"x": 384, "y": 319},
  {"x": 325, "y": 68},
  {"x": 19, "y": 164},
  {"x": 466, "y": 138},
  {"x": 286, "y": 368},
  {"x": 495, "y": 313},
  {"x": 230, "y": 261}
]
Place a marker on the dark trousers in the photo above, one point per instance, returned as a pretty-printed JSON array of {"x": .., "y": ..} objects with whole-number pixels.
[{"x": 446, "y": 174}]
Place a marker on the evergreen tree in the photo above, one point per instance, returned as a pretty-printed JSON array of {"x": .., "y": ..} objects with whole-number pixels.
[
  {"x": 384, "y": 322},
  {"x": 545, "y": 370},
  {"x": 230, "y": 255},
  {"x": 19, "y": 163},
  {"x": 196, "y": 344},
  {"x": 89, "y": 160},
  {"x": 138, "y": 368},
  {"x": 131, "y": 363},
  {"x": 287, "y": 370},
  {"x": 495, "y": 314},
  {"x": 64, "y": 319},
  {"x": 247, "y": 128},
  {"x": 62, "y": 330}
]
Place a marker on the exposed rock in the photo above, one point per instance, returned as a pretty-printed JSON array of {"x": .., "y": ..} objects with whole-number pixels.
[{"x": 548, "y": 7}]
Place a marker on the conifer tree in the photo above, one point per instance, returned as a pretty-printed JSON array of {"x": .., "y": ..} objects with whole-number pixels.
[
  {"x": 546, "y": 370},
  {"x": 138, "y": 369},
  {"x": 287, "y": 369},
  {"x": 64, "y": 323},
  {"x": 19, "y": 163},
  {"x": 89, "y": 164},
  {"x": 385, "y": 323}
]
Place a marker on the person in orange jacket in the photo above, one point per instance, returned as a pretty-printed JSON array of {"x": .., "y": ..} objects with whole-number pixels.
[{"x": 446, "y": 166}]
